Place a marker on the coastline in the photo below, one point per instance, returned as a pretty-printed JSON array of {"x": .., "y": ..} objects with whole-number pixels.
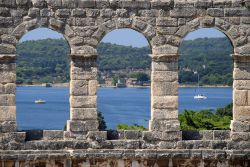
[{"x": 129, "y": 86}]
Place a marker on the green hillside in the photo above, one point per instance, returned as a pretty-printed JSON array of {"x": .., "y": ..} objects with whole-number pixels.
[
  {"x": 47, "y": 60},
  {"x": 210, "y": 57}
]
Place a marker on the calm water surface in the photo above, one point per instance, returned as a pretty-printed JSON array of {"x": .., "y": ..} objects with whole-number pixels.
[{"x": 124, "y": 105}]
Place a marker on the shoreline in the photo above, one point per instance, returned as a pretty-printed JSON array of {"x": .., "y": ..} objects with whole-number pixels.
[{"x": 129, "y": 86}]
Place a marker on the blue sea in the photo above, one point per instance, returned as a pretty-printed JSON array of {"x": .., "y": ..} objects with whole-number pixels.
[{"x": 118, "y": 105}]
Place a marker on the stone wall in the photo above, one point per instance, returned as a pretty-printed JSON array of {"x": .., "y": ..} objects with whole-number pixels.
[{"x": 164, "y": 23}]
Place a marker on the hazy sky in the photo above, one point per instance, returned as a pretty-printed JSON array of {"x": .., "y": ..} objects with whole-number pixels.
[{"x": 121, "y": 36}]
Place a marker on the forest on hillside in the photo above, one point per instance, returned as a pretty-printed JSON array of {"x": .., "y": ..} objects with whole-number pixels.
[{"x": 47, "y": 60}]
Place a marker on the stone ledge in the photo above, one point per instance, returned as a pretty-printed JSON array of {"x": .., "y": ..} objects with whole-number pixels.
[{"x": 126, "y": 153}]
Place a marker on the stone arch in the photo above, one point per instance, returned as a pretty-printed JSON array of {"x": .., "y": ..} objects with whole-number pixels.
[
  {"x": 207, "y": 22},
  {"x": 142, "y": 27},
  {"x": 53, "y": 24}
]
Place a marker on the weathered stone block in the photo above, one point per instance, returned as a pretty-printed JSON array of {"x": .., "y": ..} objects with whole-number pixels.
[
  {"x": 240, "y": 136},
  {"x": 82, "y": 101},
  {"x": 7, "y": 113},
  {"x": 233, "y": 12},
  {"x": 83, "y": 113},
  {"x": 241, "y": 73},
  {"x": 92, "y": 12},
  {"x": 7, "y": 77},
  {"x": 168, "y": 22},
  {"x": 34, "y": 12},
  {"x": 84, "y": 22},
  {"x": 54, "y": 3},
  {"x": 102, "y": 4},
  {"x": 39, "y": 3},
  {"x": 83, "y": 126},
  {"x": 164, "y": 66},
  {"x": 4, "y": 11},
  {"x": 167, "y": 145},
  {"x": 164, "y": 88},
  {"x": 151, "y": 136},
  {"x": 6, "y": 48},
  {"x": 78, "y": 73},
  {"x": 183, "y": 12},
  {"x": 241, "y": 84},
  {"x": 222, "y": 3},
  {"x": 244, "y": 50},
  {"x": 167, "y": 30},
  {"x": 57, "y": 24},
  {"x": 165, "y": 49},
  {"x": 241, "y": 113},
  {"x": 165, "y": 125},
  {"x": 53, "y": 134},
  {"x": 9, "y": 39},
  {"x": 8, "y": 3},
  {"x": 240, "y": 97},
  {"x": 245, "y": 20},
  {"x": 166, "y": 4},
  {"x": 7, "y": 126},
  {"x": 164, "y": 114},
  {"x": 97, "y": 135},
  {"x": 86, "y": 3},
  {"x": 69, "y": 4},
  {"x": 222, "y": 24},
  {"x": 164, "y": 102},
  {"x": 237, "y": 126},
  {"x": 9, "y": 88},
  {"x": 13, "y": 137},
  {"x": 139, "y": 25},
  {"x": 164, "y": 76},
  {"x": 7, "y": 100},
  {"x": 203, "y": 3},
  {"x": 63, "y": 12},
  {"x": 207, "y": 22},
  {"x": 221, "y": 135},
  {"x": 23, "y": 2},
  {"x": 79, "y": 87},
  {"x": 158, "y": 40},
  {"x": 135, "y": 4},
  {"x": 84, "y": 51},
  {"x": 78, "y": 12},
  {"x": 238, "y": 145},
  {"x": 124, "y": 22},
  {"x": 129, "y": 134}
]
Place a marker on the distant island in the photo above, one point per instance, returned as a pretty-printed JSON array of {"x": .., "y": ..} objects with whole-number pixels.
[{"x": 47, "y": 61}]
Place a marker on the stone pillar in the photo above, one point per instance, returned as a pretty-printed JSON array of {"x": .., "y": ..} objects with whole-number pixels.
[
  {"x": 7, "y": 93},
  {"x": 241, "y": 96},
  {"x": 164, "y": 93},
  {"x": 83, "y": 86}
]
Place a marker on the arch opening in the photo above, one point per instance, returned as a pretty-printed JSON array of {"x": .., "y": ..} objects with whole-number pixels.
[
  {"x": 205, "y": 76},
  {"x": 42, "y": 80},
  {"x": 124, "y": 69}
]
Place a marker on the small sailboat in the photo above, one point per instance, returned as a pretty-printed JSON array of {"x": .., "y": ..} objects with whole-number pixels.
[
  {"x": 199, "y": 96},
  {"x": 40, "y": 101}
]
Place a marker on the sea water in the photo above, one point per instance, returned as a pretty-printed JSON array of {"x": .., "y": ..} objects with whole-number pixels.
[{"x": 118, "y": 105}]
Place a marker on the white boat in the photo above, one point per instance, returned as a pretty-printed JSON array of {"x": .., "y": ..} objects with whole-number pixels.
[
  {"x": 199, "y": 96},
  {"x": 40, "y": 101}
]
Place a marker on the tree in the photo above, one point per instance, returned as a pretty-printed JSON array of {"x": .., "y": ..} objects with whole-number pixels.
[
  {"x": 101, "y": 121},
  {"x": 140, "y": 76}
]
